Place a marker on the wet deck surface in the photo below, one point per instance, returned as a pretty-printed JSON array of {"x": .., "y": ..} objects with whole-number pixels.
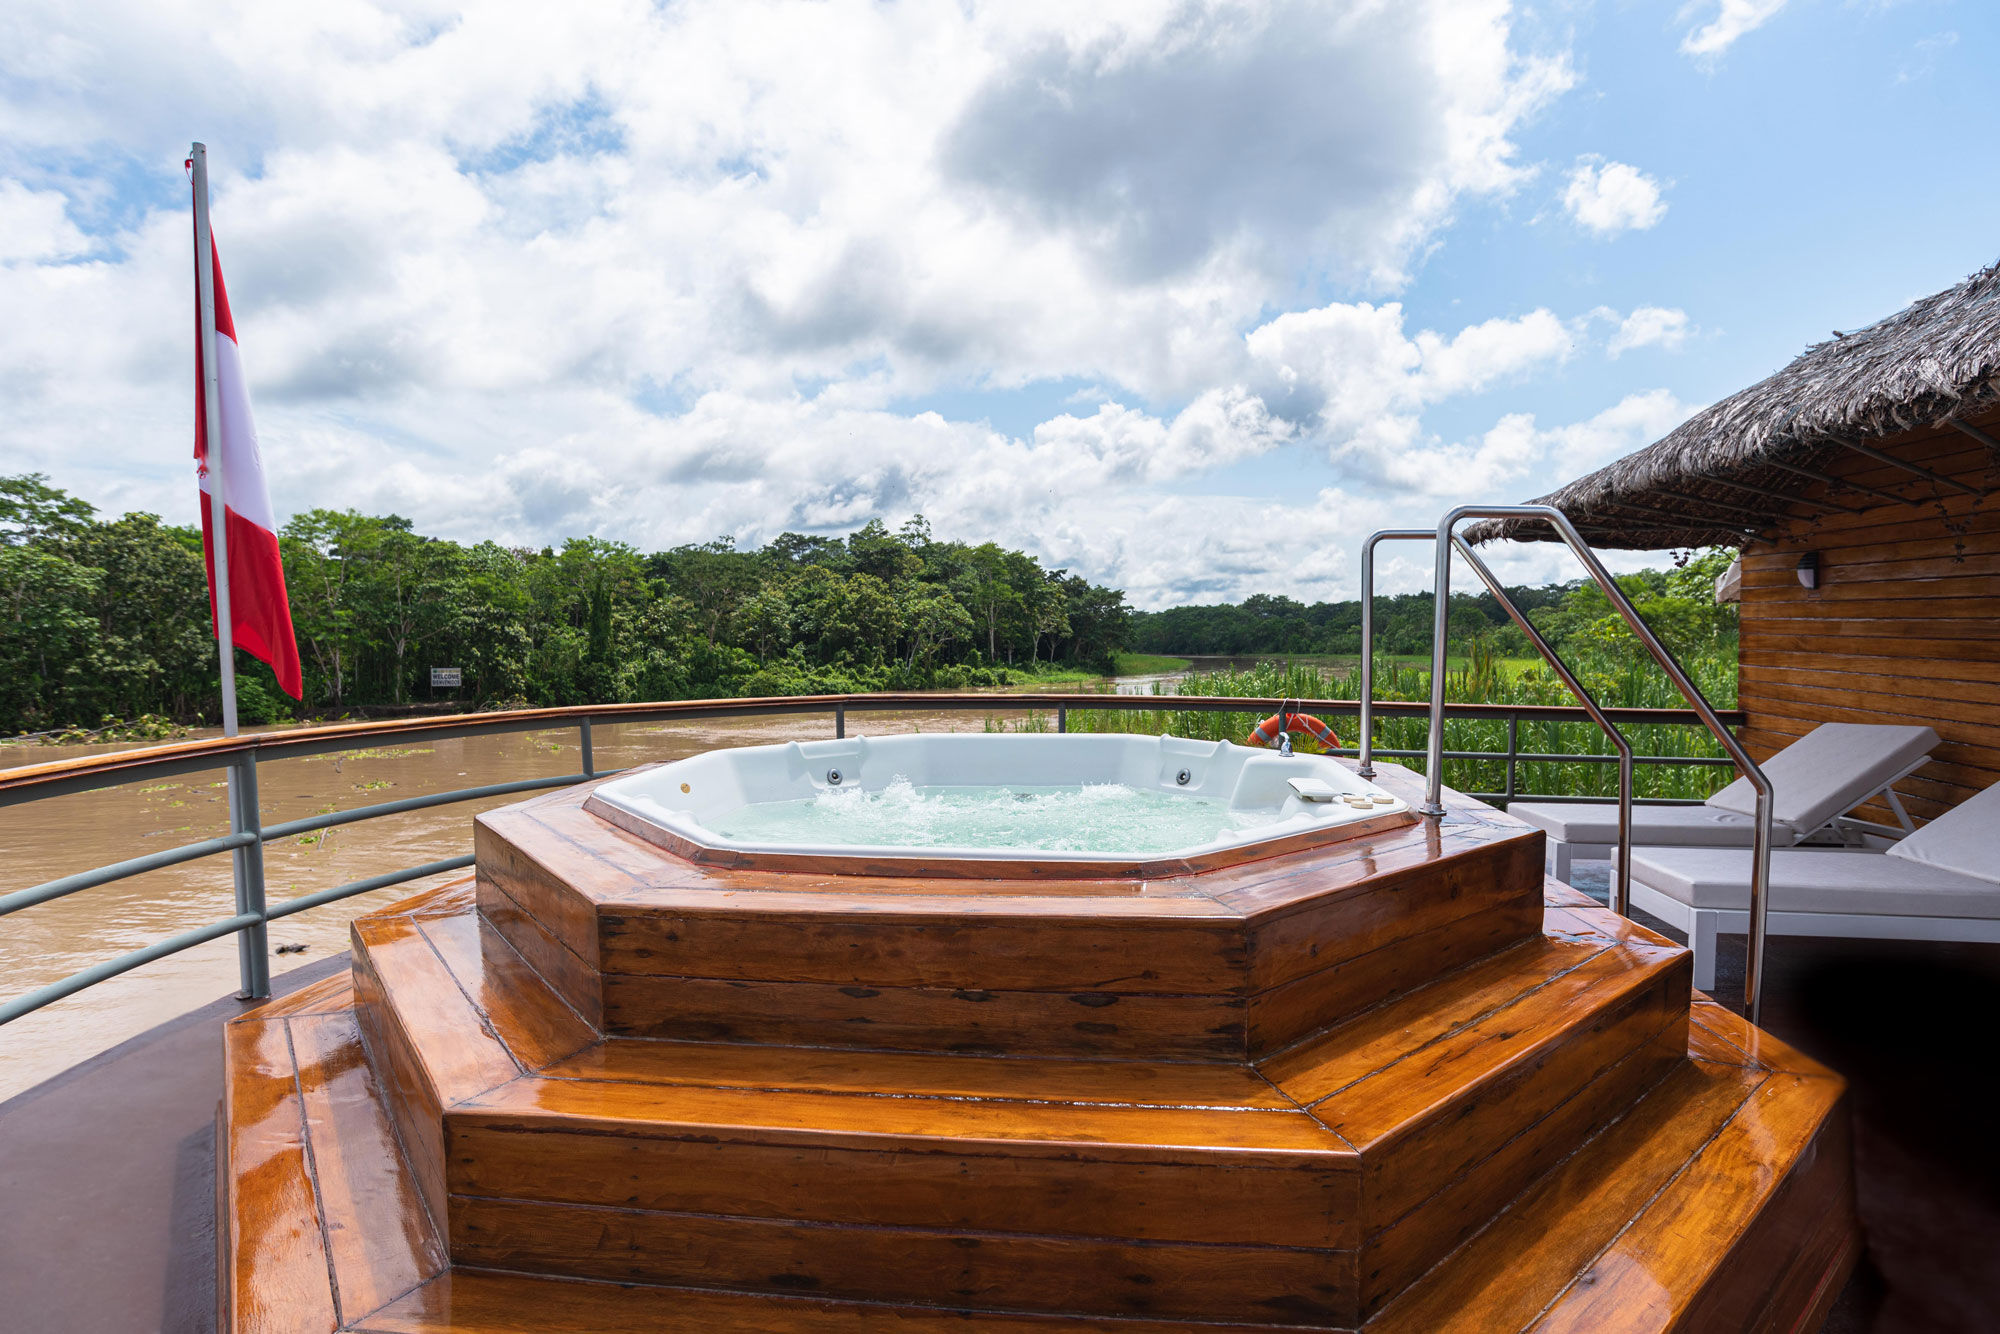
[
  {"x": 1909, "y": 1023},
  {"x": 107, "y": 1216}
]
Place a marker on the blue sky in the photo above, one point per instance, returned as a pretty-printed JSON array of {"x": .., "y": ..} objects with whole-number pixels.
[{"x": 1186, "y": 295}]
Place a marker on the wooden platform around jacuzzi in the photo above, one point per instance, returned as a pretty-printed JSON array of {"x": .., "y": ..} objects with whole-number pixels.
[
  {"x": 1224, "y": 964},
  {"x": 1718, "y": 1200}
]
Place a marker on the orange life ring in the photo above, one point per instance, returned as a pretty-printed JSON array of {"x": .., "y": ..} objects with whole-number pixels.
[{"x": 1266, "y": 732}]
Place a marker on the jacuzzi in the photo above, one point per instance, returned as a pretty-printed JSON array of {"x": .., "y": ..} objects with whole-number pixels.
[{"x": 995, "y": 805}]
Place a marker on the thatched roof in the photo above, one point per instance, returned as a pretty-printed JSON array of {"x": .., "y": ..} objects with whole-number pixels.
[{"x": 1712, "y": 479}]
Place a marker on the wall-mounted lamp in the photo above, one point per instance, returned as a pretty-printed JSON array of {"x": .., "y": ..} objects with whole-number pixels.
[{"x": 1809, "y": 569}]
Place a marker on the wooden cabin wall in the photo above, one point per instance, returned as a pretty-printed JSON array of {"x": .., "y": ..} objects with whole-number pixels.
[{"x": 1902, "y": 627}]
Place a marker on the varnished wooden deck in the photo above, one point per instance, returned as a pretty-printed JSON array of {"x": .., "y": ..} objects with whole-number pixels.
[
  {"x": 1720, "y": 1201},
  {"x": 1544, "y": 1135}
]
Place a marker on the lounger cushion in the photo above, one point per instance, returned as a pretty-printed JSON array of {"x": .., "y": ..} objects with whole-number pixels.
[
  {"x": 1829, "y": 771},
  {"x": 1965, "y": 839},
  {"x": 1669, "y": 826},
  {"x": 1850, "y": 881}
]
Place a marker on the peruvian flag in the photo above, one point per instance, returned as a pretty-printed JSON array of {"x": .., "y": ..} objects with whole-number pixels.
[{"x": 260, "y": 613}]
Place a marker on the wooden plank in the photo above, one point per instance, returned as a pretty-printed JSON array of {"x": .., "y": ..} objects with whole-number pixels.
[
  {"x": 1038, "y": 950},
  {"x": 1873, "y": 602},
  {"x": 1423, "y": 1121},
  {"x": 1041, "y": 1023},
  {"x": 518, "y": 857},
  {"x": 1945, "y": 670},
  {"x": 1136, "y": 1134},
  {"x": 1763, "y": 1050},
  {"x": 913, "y": 1074},
  {"x": 1810, "y": 637},
  {"x": 459, "y": 1052},
  {"x": 1674, "y": 1249},
  {"x": 1943, "y": 557},
  {"x": 271, "y": 1226},
  {"x": 1841, "y": 583},
  {"x": 329, "y": 995},
  {"x": 1287, "y": 1013},
  {"x": 578, "y": 982},
  {"x": 406, "y": 1086},
  {"x": 379, "y": 1234},
  {"x": 1396, "y": 1257},
  {"x": 524, "y": 1013},
  {"x": 1850, "y": 626},
  {"x": 1211, "y": 1195},
  {"x": 979, "y": 1270},
  {"x": 1758, "y": 692},
  {"x": 1352, "y": 1051},
  {"x": 453, "y": 896},
  {"x": 1507, "y": 1274},
  {"x": 475, "y": 1301},
  {"x": 1388, "y": 900},
  {"x": 1883, "y": 680}
]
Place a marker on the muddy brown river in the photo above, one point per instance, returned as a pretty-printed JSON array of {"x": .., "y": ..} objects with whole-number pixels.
[{"x": 60, "y": 836}]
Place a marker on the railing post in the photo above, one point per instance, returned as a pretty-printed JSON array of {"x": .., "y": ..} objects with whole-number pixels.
[
  {"x": 1513, "y": 750},
  {"x": 1440, "y": 664},
  {"x": 839, "y": 722},
  {"x": 253, "y": 954},
  {"x": 1365, "y": 743},
  {"x": 1062, "y": 718},
  {"x": 589, "y": 756}
]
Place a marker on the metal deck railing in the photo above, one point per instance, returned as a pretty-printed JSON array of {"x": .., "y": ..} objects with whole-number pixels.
[
  {"x": 241, "y": 756},
  {"x": 1448, "y": 544}
]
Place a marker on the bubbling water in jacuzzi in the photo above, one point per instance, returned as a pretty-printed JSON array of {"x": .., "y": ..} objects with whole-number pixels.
[{"x": 1098, "y": 817}]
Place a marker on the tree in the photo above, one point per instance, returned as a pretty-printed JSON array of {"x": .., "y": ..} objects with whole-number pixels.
[{"x": 33, "y": 511}]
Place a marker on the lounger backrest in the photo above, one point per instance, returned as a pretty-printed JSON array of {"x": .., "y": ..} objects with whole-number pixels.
[
  {"x": 1829, "y": 771},
  {"x": 1965, "y": 839}
]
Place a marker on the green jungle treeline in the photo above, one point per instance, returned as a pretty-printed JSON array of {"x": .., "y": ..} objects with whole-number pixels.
[
  {"x": 107, "y": 619},
  {"x": 104, "y": 619},
  {"x": 1679, "y": 604},
  {"x": 1491, "y": 662}
]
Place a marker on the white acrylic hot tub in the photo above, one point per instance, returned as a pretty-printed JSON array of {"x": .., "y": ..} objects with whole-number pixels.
[{"x": 979, "y": 804}]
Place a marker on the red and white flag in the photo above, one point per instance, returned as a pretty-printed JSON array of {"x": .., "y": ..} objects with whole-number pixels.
[{"x": 260, "y": 613}]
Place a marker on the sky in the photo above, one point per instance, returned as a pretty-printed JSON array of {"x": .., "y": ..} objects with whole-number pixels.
[{"x": 1186, "y": 296}]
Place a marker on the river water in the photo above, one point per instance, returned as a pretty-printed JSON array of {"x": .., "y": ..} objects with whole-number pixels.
[{"x": 63, "y": 835}]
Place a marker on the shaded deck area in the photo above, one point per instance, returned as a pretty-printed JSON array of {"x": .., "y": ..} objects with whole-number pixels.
[{"x": 107, "y": 1222}]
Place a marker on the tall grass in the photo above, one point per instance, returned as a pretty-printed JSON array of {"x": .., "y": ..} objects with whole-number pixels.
[{"x": 1616, "y": 680}]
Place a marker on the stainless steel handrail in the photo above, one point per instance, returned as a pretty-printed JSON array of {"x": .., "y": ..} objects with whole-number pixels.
[
  {"x": 1622, "y": 892},
  {"x": 36, "y": 782},
  {"x": 1621, "y": 898},
  {"x": 1760, "y": 857}
]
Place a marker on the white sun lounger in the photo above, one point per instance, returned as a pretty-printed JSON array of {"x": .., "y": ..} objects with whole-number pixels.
[
  {"x": 1940, "y": 883},
  {"x": 1816, "y": 780}
]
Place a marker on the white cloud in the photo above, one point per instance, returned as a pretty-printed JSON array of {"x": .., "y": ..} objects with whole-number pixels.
[
  {"x": 664, "y": 272},
  {"x": 1516, "y": 452},
  {"x": 35, "y": 225},
  {"x": 1611, "y": 197},
  {"x": 1732, "y": 19},
  {"x": 1650, "y": 326}
]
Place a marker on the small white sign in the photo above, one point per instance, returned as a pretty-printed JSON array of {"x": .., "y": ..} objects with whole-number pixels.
[{"x": 446, "y": 678}]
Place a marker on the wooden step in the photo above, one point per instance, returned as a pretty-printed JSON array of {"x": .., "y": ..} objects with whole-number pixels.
[
  {"x": 449, "y": 1009},
  {"x": 1312, "y": 1188},
  {"x": 1720, "y": 1200},
  {"x": 1456, "y": 1096},
  {"x": 320, "y": 1220}
]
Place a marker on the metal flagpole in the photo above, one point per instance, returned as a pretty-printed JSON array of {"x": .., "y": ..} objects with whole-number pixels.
[
  {"x": 252, "y": 956},
  {"x": 211, "y": 397}
]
